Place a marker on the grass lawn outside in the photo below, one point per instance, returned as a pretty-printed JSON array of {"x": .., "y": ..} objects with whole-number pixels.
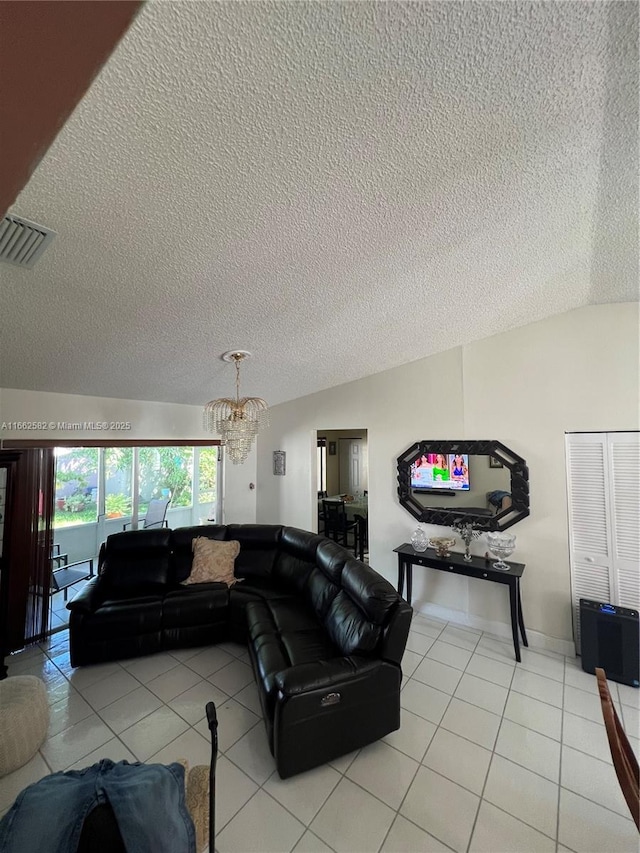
[{"x": 89, "y": 515}]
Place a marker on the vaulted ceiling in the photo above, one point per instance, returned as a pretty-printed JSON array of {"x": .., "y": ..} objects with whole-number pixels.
[{"x": 338, "y": 187}]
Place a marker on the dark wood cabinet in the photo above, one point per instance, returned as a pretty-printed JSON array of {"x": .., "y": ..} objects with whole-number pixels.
[
  {"x": 25, "y": 551},
  {"x": 8, "y": 465}
]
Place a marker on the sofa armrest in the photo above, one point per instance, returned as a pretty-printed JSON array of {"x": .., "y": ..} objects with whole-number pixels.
[
  {"x": 323, "y": 674},
  {"x": 89, "y": 598},
  {"x": 397, "y": 633}
]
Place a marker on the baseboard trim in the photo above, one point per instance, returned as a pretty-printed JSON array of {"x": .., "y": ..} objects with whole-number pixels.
[{"x": 537, "y": 640}]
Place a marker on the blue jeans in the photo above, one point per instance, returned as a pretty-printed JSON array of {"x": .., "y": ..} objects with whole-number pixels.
[{"x": 148, "y": 801}]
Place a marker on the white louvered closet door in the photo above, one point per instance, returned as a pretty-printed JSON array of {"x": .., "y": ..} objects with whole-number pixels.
[
  {"x": 624, "y": 464},
  {"x": 589, "y": 540},
  {"x": 603, "y": 477}
]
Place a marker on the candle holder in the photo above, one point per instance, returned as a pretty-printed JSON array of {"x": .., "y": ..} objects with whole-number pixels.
[{"x": 466, "y": 532}]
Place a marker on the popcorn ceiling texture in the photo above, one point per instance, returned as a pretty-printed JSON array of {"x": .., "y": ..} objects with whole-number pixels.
[{"x": 338, "y": 187}]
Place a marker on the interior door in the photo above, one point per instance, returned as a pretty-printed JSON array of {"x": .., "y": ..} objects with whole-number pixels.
[
  {"x": 352, "y": 465},
  {"x": 624, "y": 503}
]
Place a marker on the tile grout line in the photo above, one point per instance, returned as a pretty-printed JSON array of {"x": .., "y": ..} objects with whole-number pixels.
[
  {"x": 397, "y": 811},
  {"x": 419, "y": 763},
  {"x": 510, "y": 760},
  {"x": 493, "y": 752},
  {"x": 271, "y": 775},
  {"x": 501, "y": 808},
  {"x": 50, "y": 654},
  {"x": 564, "y": 684},
  {"x": 596, "y": 803},
  {"x": 306, "y": 825},
  {"x": 502, "y": 717},
  {"x": 477, "y": 651},
  {"x": 451, "y": 696},
  {"x": 115, "y": 734},
  {"x": 190, "y": 726}
]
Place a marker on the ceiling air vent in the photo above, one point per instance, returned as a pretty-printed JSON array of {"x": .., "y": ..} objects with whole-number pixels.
[{"x": 22, "y": 242}]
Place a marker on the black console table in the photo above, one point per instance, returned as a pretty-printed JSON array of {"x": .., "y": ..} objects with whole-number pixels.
[{"x": 477, "y": 567}]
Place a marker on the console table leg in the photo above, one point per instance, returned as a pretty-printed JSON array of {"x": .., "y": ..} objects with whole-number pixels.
[
  {"x": 513, "y": 603},
  {"x": 409, "y": 581},
  {"x": 520, "y": 616},
  {"x": 400, "y": 575}
]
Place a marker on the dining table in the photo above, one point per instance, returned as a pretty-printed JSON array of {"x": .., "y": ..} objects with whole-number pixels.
[
  {"x": 355, "y": 510},
  {"x": 358, "y": 506}
]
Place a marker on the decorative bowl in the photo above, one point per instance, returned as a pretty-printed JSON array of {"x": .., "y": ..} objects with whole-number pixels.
[
  {"x": 501, "y": 545},
  {"x": 442, "y": 545}
]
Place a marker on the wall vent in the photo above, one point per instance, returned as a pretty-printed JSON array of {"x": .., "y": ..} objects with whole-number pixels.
[{"x": 22, "y": 242}]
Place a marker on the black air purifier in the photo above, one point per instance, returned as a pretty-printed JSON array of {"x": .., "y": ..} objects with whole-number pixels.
[{"x": 610, "y": 638}]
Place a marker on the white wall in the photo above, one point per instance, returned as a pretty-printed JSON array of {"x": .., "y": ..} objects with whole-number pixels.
[
  {"x": 148, "y": 421},
  {"x": 576, "y": 371},
  {"x": 239, "y": 504}
]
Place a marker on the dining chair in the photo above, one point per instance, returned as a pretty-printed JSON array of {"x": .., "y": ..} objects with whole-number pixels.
[
  {"x": 624, "y": 760},
  {"x": 363, "y": 521},
  {"x": 321, "y": 526},
  {"x": 338, "y": 526}
]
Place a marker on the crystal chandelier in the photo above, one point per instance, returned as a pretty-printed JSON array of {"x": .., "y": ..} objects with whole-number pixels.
[{"x": 237, "y": 421}]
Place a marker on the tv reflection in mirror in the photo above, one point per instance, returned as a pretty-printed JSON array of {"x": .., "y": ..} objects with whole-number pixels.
[
  {"x": 460, "y": 482},
  {"x": 440, "y": 472}
]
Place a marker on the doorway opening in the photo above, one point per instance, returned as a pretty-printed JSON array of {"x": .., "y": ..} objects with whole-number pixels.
[{"x": 343, "y": 477}]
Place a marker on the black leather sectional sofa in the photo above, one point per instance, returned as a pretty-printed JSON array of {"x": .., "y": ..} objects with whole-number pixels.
[{"x": 325, "y": 632}]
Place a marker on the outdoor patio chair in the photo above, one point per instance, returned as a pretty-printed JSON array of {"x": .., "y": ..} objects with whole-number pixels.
[{"x": 155, "y": 516}]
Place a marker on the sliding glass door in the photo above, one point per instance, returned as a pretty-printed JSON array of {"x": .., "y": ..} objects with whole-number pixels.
[
  {"x": 103, "y": 490},
  {"x": 208, "y": 480}
]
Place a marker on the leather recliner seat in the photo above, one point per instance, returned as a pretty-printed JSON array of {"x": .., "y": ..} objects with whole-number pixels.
[{"x": 325, "y": 632}]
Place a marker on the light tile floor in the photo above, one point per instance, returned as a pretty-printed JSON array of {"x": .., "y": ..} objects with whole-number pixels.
[{"x": 491, "y": 756}]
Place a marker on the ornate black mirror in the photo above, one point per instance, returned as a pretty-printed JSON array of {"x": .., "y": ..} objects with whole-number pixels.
[{"x": 443, "y": 482}]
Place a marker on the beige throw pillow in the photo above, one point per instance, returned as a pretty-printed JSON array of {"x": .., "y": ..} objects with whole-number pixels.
[{"x": 213, "y": 561}]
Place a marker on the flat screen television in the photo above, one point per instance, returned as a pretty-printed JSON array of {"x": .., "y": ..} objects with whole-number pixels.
[{"x": 440, "y": 472}]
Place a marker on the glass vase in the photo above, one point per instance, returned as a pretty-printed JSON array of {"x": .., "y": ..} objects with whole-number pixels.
[{"x": 419, "y": 540}]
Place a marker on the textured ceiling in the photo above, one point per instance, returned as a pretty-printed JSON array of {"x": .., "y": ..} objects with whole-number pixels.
[{"x": 337, "y": 187}]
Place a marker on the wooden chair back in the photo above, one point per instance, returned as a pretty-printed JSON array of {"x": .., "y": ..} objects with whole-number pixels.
[{"x": 624, "y": 760}]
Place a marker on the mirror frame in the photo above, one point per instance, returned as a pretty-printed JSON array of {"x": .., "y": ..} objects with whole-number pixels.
[{"x": 518, "y": 510}]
